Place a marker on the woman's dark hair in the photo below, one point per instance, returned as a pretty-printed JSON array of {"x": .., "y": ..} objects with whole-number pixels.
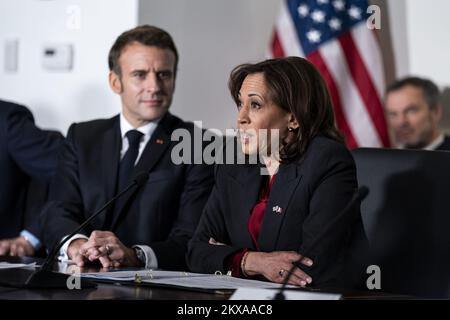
[
  {"x": 145, "y": 35},
  {"x": 296, "y": 86}
]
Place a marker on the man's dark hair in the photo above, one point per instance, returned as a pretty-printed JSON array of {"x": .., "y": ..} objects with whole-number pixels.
[
  {"x": 146, "y": 35},
  {"x": 429, "y": 89},
  {"x": 296, "y": 86}
]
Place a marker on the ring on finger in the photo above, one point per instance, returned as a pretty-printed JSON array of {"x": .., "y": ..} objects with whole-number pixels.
[{"x": 108, "y": 250}]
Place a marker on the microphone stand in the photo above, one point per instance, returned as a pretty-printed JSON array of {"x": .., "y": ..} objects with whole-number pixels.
[{"x": 44, "y": 277}]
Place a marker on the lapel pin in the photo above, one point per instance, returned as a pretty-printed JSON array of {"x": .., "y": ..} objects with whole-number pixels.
[
  {"x": 159, "y": 141},
  {"x": 277, "y": 209}
]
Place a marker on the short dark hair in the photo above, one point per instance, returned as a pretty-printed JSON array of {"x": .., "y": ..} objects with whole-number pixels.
[
  {"x": 429, "y": 89},
  {"x": 146, "y": 35},
  {"x": 296, "y": 86}
]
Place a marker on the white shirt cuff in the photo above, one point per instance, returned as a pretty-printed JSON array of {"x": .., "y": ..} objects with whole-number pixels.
[
  {"x": 63, "y": 252},
  {"x": 32, "y": 239},
  {"x": 151, "y": 262}
]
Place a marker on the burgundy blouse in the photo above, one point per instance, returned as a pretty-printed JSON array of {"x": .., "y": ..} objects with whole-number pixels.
[{"x": 253, "y": 226}]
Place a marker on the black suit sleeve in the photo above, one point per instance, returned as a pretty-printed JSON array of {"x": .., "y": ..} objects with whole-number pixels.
[
  {"x": 36, "y": 198},
  {"x": 33, "y": 153},
  {"x": 196, "y": 189},
  {"x": 34, "y": 150},
  {"x": 333, "y": 189},
  {"x": 64, "y": 211},
  {"x": 203, "y": 257}
]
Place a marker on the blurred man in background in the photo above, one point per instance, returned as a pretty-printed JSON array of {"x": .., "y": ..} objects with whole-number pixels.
[{"x": 413, "y": 112}]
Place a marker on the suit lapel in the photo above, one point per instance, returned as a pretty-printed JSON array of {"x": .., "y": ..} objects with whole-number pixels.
[
  {"x": 283, "y": 188},
  {"x": 111, "y": 145},
  {"x": 246, "y": 196},
  {"x": 153, "y": 151}
]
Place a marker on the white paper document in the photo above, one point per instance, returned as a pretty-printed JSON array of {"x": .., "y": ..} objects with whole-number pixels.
[
  {"x": 7, "y": 265},
  {"x": 212, "y": 282},
  {"x": 115, "y": 275},
  {"x": 269, "y": 294},
  {"x": 181, "y": 279}
]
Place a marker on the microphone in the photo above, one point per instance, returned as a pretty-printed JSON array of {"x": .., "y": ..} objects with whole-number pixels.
[
  {"x": 359, "y": 195},
  {"x": 44, "y": 277}
]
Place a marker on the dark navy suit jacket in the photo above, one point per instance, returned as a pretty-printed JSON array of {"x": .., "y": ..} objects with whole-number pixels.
[
  {"x": 163, "y": 213},
  {"x": 445, "y": 145},
  {"x": 305, "y": 196},
  {"x": 26, "y": 153}
]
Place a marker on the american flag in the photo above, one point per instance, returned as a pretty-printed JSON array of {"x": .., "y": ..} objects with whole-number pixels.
[{"x": 333, "y": 35}]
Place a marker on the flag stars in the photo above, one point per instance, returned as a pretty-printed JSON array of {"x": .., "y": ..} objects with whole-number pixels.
[
  {"x": 335, "y": 24},
  {"x": 322, "y": 1},
  {"x": 339, "y": 5},
  {"x": 303, "y": 10},
  {"x": 313, "y": 36},
  {"x": 354, "y": 12},
  {"x": 318, "y": 16}
]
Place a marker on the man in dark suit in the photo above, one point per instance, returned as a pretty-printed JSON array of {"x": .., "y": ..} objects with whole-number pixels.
[
  {"x": 414, "y": 111},
  {"x": 151, "y": 225},
  {"x": 28, "y": 159}
]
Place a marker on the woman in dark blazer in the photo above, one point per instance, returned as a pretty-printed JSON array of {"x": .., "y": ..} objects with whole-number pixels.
[{"x": 255, "y": 224}]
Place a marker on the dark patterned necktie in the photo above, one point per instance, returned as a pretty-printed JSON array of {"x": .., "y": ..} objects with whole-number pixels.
[{"x": 129, "y": 159}]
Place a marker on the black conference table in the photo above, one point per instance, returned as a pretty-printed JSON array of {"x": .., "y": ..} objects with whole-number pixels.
[{"x": 116, "y": 291}]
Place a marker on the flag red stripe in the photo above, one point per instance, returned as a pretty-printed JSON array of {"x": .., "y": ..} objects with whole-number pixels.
[
  {"x": 277, "y": 49},
  {"x": 365, "y": 85},
  {"x": 341, "y": 121}
]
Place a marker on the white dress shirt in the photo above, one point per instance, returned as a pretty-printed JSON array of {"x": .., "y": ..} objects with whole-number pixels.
[
  {"x": 147, "y": 131},
  {"x": 433, "y": 145}
]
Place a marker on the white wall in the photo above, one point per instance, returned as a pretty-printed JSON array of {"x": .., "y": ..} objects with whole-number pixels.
[
  {"x": 212, "y": 36},
  {"x": 428, "y": 28},
  {"x": 400, "y": 40},
  {"x": 60, "y": 98},
  {"x": 215, "y": 36}
]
